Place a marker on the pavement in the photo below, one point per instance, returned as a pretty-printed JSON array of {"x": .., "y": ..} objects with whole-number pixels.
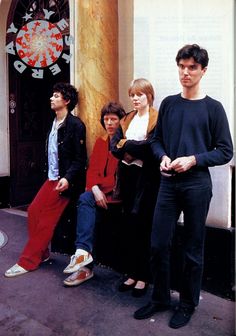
[{"x": 37, "y": 303}]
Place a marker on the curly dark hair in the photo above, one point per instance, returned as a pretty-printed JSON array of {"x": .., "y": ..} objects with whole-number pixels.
[
  {"x": 112, "y": 108},
  {"x": 199, "y": 54},
  {"x": 68, "y": 92}
]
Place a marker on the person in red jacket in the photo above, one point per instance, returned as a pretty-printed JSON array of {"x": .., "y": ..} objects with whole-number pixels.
[{"x": 100, "y": 182}]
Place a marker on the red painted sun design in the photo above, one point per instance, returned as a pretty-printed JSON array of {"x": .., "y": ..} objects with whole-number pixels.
[{"x": 39, "y": 43}]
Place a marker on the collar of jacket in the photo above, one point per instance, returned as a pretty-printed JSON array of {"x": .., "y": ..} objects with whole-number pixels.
[
  {"x": 153, "y": 114},
  {"x": 105, "y": 137},
  {"x": 68, "y": 116}
]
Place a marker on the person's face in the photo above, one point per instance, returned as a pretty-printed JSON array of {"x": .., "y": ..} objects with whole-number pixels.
[
  {"x": 139, "y": 100},
  {"x": 190, "y": 72},
  {"x": 57, "y": 101},
  {"x": 111, "y": 122}
]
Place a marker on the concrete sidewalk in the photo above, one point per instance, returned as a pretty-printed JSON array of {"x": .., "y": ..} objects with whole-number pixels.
[{"x": 37, "y": 303}]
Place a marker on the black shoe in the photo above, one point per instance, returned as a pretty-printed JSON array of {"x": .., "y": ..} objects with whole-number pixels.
[
  {"x": 181, "y": 317},
  {"x": 149, "y": 310},
  {"x": 138, "y": 292},
  {"x": 124, "y": 288}
]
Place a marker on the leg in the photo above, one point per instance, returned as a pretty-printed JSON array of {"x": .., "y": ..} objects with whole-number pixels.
[
  {"x": 42, "y": 223},
  {"x": 140, "y": 251},
  {"x": 196, "y": 195},
  {"x": 35, "y": 208},
  {"x": 34, "y": 211},
  {"x": 130, "y": 176},
  {"x": 86, "y": 218},
  {"x": 196, "y": 199},
  {"x": 166, "y": 214}
]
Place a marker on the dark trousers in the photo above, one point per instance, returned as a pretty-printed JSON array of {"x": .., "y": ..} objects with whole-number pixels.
[
  {"x": 138, "y": 204},
  {"x": 191, "y": 193}
]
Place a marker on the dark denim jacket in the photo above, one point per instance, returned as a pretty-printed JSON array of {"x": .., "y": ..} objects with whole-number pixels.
[{"x": 72, "y": 154}]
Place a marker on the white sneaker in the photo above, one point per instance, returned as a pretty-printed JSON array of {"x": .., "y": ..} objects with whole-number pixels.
[
  {"x": 78, "y": 261},
  {"x": 15, "y": 271},
  {"x": 78, "y": 277}
]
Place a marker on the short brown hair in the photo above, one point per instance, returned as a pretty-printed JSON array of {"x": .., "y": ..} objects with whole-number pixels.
[
  {"x": 142, "y": 85},
  {"x": 112, "y": 108}
]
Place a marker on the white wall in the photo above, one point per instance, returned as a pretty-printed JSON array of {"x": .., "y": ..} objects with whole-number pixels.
[
  {"x": 161, "y": 28},
  {"x": 4, "y": 125}
]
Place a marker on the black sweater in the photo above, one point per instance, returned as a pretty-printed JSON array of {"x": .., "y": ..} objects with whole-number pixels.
[{"x": 193, "y": 127}]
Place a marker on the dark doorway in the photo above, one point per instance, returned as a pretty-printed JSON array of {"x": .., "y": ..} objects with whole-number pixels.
[{"x": 29, "y": 108}]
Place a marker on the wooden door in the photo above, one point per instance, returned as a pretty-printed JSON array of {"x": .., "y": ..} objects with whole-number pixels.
[{"x": 29, "y": 103}]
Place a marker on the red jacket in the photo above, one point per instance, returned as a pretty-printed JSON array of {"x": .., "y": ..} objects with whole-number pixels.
[{"x": 101, "y": 160}]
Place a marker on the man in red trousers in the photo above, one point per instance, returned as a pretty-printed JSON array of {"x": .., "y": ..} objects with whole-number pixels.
[{"x": 66, "y": 161}]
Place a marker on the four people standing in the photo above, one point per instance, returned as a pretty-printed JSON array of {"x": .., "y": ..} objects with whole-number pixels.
[{"x": 192, "y": 134}]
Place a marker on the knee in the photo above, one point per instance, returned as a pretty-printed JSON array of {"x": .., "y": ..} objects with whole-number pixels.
[
  {"x": 155, "y": 251},
  {"x": 86, "y": 198},
  {"x": 31, "y": 209},
  {"x": 159, "y": 243},
  {"x": 159, "y": 250},
  {"x": 195, "y": 256}
]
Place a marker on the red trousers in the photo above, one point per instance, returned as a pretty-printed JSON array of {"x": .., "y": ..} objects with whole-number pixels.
[{"x": 43, "y": 215}]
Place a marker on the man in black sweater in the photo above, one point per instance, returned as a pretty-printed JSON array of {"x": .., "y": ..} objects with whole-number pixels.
[{"x": 192, "y": 134}]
